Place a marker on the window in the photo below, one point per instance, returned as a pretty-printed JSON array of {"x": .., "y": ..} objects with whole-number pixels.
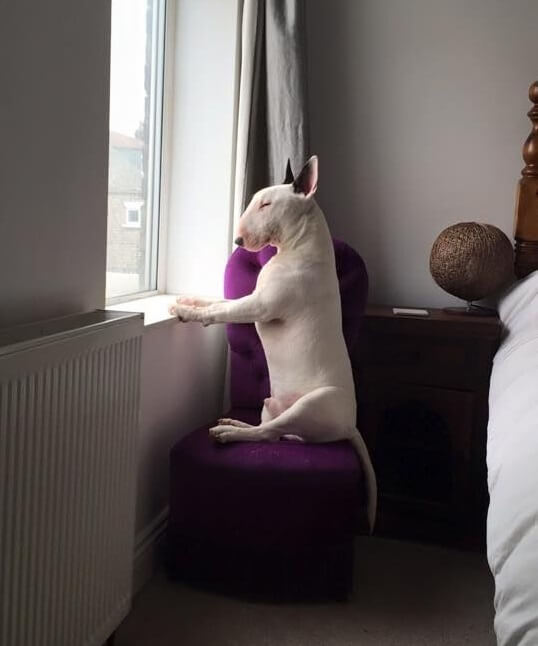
[
  {"x": 132, "y": 214},
  {"x": 136, "y": 92}
]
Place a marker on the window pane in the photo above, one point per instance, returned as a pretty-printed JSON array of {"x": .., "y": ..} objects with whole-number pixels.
[{"x": 137, "y": 51}]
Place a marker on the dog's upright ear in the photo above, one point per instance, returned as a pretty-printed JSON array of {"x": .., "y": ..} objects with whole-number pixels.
[
  {"x": 307, "y": 180},
  {"x": 289, "y": 174}
]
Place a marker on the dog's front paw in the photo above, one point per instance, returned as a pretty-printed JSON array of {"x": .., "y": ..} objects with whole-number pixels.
[
  {"x": 185, "y": 313},
  {"x": 193, "y": 302}
]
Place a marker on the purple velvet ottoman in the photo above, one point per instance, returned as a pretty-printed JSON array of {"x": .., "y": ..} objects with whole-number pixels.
[{"x": 272, "y": 519}]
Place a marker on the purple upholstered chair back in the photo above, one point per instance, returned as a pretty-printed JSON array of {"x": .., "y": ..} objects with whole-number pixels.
[{"x": 249, "y": 379}]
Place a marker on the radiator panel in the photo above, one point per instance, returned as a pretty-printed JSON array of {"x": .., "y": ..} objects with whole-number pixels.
[{"x": 68, "y": 428}]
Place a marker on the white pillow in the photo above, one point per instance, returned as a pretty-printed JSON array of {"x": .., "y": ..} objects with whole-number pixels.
[{"x": 518, "y": 311}]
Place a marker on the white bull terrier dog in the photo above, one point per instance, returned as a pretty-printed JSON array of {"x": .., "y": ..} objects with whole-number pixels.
[{"x": 296, "y": 309}]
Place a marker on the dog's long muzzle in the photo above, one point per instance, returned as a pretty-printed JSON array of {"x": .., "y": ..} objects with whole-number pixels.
[{"x": 239, "y": 241}]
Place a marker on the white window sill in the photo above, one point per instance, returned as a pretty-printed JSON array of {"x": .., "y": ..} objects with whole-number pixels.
[{"x": 154, "y": 308}]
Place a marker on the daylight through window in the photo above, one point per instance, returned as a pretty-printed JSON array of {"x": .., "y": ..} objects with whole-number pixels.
[{"x": 136, "y": 90}]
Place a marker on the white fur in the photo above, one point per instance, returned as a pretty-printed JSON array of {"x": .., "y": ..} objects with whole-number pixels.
[{"x": 296, "y": 309}]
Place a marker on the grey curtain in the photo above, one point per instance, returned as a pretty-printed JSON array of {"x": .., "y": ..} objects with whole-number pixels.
[
  {"x": 271, "y": 95},
  {"x": 285, "y": 51},
  {"x": 274, "y": 126}
]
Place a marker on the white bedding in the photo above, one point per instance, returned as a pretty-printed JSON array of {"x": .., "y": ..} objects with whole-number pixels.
[{"x": 512, "y": 457}]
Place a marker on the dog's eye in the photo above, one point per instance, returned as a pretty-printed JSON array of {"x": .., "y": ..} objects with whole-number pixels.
[{"x": 264, "y": 204}]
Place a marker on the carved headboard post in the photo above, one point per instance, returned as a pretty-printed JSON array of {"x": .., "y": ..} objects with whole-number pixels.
[{"x": 526, "y": 216}]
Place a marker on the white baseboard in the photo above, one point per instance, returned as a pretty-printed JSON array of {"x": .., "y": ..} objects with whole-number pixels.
[{"x": 147, "y": 552}]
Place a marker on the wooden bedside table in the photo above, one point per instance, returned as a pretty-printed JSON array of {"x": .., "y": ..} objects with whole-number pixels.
[{"x": 422, "y": 393}]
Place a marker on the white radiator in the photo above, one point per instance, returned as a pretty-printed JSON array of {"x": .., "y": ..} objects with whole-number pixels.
[{"x": 69, "y": 399}]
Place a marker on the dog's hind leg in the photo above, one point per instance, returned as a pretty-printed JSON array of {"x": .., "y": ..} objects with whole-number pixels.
[
  {"x": 318, "y": 416},
  {"x": 229, "y": 433},
  {"x": 236, "y": 423}
]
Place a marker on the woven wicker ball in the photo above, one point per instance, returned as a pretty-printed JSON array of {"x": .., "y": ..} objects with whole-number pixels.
[{"x": 472, "y": 260}]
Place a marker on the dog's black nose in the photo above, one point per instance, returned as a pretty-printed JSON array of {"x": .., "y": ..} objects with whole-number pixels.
[{"x": 239, "y": 241}]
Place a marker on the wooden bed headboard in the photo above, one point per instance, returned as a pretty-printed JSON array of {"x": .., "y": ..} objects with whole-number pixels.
[{"x": 526, "y": 216}]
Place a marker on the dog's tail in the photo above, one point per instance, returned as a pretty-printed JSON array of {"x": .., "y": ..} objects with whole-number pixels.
[{"x": 369, "y": 473}]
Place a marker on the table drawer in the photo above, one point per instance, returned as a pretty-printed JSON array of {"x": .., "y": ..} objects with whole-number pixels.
[{"x": 435, "y": 361}]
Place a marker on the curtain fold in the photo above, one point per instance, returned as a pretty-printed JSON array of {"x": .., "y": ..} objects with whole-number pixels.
[
  {"x": 270, "y": 104},
  {"x": 272, "y": 123}
]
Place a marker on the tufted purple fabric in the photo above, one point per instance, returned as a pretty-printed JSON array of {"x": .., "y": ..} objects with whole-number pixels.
[
  {"x": 249, "y": 384},
  {"x": 273, "y": 520},
  {"x": 254, "y": 516},
  {"x": 268, "y": 468}
]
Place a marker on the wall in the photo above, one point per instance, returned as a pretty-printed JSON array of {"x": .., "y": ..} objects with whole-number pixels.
[
  {"x": 418, "y": 116},
  {"x": 181, "y": 389},
  {"x": 200, "y": 149},
  {"x": 54, "y": 76}
]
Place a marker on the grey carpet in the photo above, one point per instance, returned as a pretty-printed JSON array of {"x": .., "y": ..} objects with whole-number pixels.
[{"x": 405, "y": 595}]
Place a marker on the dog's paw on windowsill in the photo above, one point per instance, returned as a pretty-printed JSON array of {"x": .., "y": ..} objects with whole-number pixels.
[{"x": 154, "y": 308}]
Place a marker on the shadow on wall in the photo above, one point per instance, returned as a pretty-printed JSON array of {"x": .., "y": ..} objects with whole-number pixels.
[{"x": 183, "y": 367}]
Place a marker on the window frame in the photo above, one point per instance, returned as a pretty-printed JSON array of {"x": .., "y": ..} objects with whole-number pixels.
[{"x": 133, "y": 207}]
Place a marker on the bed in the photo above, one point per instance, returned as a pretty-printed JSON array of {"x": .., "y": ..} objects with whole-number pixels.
[{"x": 512, "y": 449}]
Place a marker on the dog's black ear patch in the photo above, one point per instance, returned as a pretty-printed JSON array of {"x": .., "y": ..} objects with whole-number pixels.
[
  {"x": 289, "y": 174},
  {"x": 307, "y": 180}
]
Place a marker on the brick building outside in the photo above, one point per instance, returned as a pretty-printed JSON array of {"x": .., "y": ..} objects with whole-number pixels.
[{"x": 126, "y": 238}]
